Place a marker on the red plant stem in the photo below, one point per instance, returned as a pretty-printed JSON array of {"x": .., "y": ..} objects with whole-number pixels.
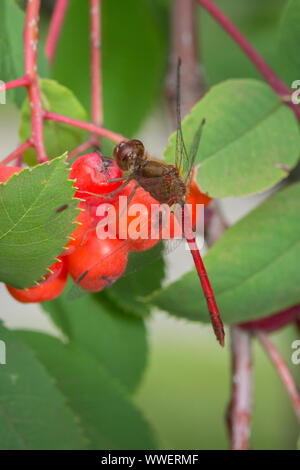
[
  {"x": 96, "y": 78},
  {"x": 55, "y": 27},
  {"x": 81, "y": 149},
  {"x": 280, "y": 88},
  {"x": 207, "y": 289},
  {"x": 86, "y": 126},
  {"x": 184, "y": 45},
  {"x": 282, "y": 370},
  {"x": 31, "y": 36},
  {"x": 240, "y": 407},
  {"x": 17, "y": 153},
  {"x": 23, "y": 81}
]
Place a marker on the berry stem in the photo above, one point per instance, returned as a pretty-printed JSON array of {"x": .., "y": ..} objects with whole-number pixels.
[
  {"x": 17, "y": 153},
  {"x": 86, "y": 126},
  {"x": 282, "y": 369},
  {"x": 96, "y": 78},
  {"x": 81, "y": 149},
  {"x": 56, "y": 24},
  {"x": 31, "y": 36},
  {"x": 279, "y": 87},
  {"x": 239, "y": 411},
  {"x": 23, "y": 81}
]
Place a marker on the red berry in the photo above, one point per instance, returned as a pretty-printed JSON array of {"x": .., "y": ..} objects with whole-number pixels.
[
  {"x": 48, "y": 289},
  {"x": 273, "y": 322},
  {"x": 7, "y": 171},
  {"x": 135, "y": 223},
  {"x": 97, "y": 263},
  {"x": 92, "y": 173}
]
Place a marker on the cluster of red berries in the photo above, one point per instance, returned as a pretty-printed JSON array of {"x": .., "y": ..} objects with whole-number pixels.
[{"x": 92, "y": 262}]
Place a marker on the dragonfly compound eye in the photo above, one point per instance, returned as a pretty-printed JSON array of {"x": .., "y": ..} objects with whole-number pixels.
[{"x": 128, "y": 153}]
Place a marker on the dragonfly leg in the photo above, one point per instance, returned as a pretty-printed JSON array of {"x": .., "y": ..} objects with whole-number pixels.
[
  {"x": 110, "y": 195},
  {"x": 128, "y": 201}
]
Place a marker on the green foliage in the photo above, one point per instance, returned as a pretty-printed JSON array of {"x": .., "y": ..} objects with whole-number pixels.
[
  {"x": 31, "y": 406},
  {"x": 58, "y": 137},
  {"x": 290, "y": 35},
  {"x": 12, "y": 48},
  {"x": 133, "y": 59},
  {"x": 223, "y": 59},
  {"x": 128, "y": 292},
  {"x": 28, "y": 199},
  {"x": 108, "y": 417},
  {"x": 117, "y": 341},
  {"x": 248, "y": 139},
  {"x": 252, "y": 267}
]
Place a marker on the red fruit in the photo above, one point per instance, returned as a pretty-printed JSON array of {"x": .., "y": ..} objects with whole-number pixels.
[
  {"x": 97, "y": 263},
  {"x": 135, "y": 222},
  {"x": 7, "y": 171},
  {"x": 273, "y": 322},
  {"x": 92, "y": 172},
  {"x": 48, "y": 289}
]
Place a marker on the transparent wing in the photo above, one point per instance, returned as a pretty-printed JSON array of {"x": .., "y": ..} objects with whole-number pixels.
[
  {"x": 185, "y": 160},
  {"x": 190, "y": 160},
  {"x": 180, "y": 151}
]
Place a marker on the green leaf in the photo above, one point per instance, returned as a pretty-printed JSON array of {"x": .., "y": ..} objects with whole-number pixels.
[
  {"x": 253, "y": 268},
  {"x": 128, "y": 292},
  {"x": 134, "y": 48},
  {"x": 108, "y": 417},
  {"x": 247, "y": 141},
  {"x": 33, "y": 412},
  {"x": 290, "y": 34},
  {"x": 116, "y": 340},
  {"x": 58, "y": 137},
  {"x": 12, "y": 20},
  {"x": 27, "y": 200},
  {"x": 259, "y": 23}
]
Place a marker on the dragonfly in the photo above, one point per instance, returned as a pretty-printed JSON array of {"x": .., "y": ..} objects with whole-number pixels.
[{"x": 168, "y": 184}]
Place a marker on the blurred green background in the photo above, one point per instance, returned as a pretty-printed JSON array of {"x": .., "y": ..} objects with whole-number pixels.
[{"x": 187, "y": 387}]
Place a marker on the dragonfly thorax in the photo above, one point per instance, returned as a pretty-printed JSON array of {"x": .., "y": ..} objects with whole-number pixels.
[{"x": 162, "y": 181}]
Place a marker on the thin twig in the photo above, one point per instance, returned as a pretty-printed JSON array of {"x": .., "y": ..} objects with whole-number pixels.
[
  {"x": 55, "y": 27},
  {"x": 282, "y": 369},
  {"x": 96, "y": 78},
  {"x": 19, "y": 82},
  {"x": 184, "y": 45},
  {"x": 81, "y": 149},
  {"x": 31, "y": 36},
  {"x": 280, "y": 88},
  {"x": 86, "y": 126},
  {"x": 240, "y": 407},
  {"x": 17, "y": 153}
]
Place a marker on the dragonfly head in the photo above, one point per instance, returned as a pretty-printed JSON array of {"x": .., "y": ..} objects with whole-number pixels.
[{"x": 129, "y": 154}]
